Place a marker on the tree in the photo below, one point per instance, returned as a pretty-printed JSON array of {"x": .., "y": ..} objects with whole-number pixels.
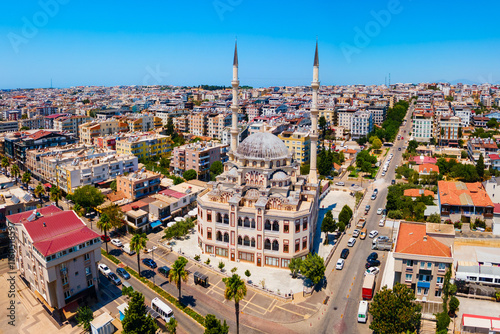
[
  {"x": 214, "y": 326},
  {"x": 377, "y": 144},
  {"x": 113, "y": 185},
  {"x": 178, "y": 273},
  {"x": 39, "y": 190},
  {"x": 170, "y": 128},
  {"x": 104, "y": 225},
  {"x": 172, "y": 326},
  {"x": 221, "y": 265},
  {"x": 341, "y": 227},
  {"x": 55, "y": 194},
  {"x": 492, "y": 123},
  {"x": 138, "y": 243},
  {"x": 480, "y": 166},
  {"x": 322, "y": 125},
  {"x": 190, "y": 175},
  {"x": 26, "y": 178},
  {"x": 442, "y": 322},
  {"x": 136, "y": 319},
  {"x": 14, "y": 170},
  {"x": 345, "y": 214},
  {"x": 454, "y": 303},
  {"x": 84, "y": 316},
  {"x": 235, "y": 290},
  {"x": 434, "y": 218},
  {"x": 217, "y": 168},
  {"x": 5, "y": 162},
  {"x": 247, "y": 274},
  {"x": 304, "y": 169},
  {"x": 115, "y": 215},
  {"x": 328, "y": 225},
  {"x": 88, "y": 196},
  {"x": 313, "y": 267},
  {"x": 395, "y": 311},
  {"x": 412, "y": 146},
  {"x": 295, "y": 265}
]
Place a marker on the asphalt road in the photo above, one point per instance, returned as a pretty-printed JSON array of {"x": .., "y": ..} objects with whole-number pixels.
[{"x": 346, "y": 283}]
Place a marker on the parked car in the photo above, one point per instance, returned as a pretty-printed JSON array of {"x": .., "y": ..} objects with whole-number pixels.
[
  {"x": 372, "y": 256},
  {"x": 399, "y": 148},
  {"x": 375, "y": 191},
  {"x": 381, "y": 222},
  {"x": 379, "y": 211},
  {"x": 351, "y": 242},
  {"x": 105, "y": 238},
  {"x": 344, "y": 254},
  {"x": 355, "y": 233},
  {"x": 374, "y": 196},
  {"x": 372, "y": 263},
  {"x": 104, "y": 269},
  {"x": 373, "y": 234},
  {"x": 393, "y": 182},
  {"x": 123, "y": 273},
  {"x": 164, "y": 271},
  {"x": 115, "y": 279},
  {"x": 116, "y": 242},
  {"x": 340, "y": 184},
  {"x": 150, "y": 263},
  {"x": 383, "y": 173},
  {"x": 372, "y": 271},
  {"x": 340, "y": 264}
]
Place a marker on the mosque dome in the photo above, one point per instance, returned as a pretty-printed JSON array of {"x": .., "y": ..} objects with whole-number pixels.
[{"x": 262, "y": 145}]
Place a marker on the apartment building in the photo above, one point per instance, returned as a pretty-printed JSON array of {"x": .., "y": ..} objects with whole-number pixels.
[
  {"x": 144, "y": 145},
  {"x": 70, "y": 124},
  {"x": 448, "y": 130},
  {"x": 198, "y": 124},
  {"x": 484, "y": 146},
  {"x": 328, "y": 114},
  {"x": 379, "y": 113},
  {"x": 459, "y": 201},
  {"x": 198, "y": 156},
  {"x": 9, "y": 126},
  {"x": 15, "y": 200},
  {"x": 464, "y": 113},
  {"x": 479, "y": 121},
  {"x": 361, "y": 124},
  {"x": 143, "y": 122},
  {"x": 216, "y": 124},
  {"x": 138, "y": 185},
  {"x": 344, "y": 117},
  {"x": 57, "y": 256},
  {"x": 92, "y": 130},
  {"x": 226, "y": 134},
  {"x": 82, "y": 172},
  {"x": 32, "y": 123},
  {"x": 423, "y": 254},
  {"x": 181, "y": 124},
  {"x": 299, "y": 142},
  {"x": 423, "y": 127},
  {"x": 11, "y": 115}
]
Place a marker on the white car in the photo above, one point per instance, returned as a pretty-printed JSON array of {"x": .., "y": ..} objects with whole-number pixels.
[
  {"x": 355, "y": 233},
  {"x": 340, "y": 184},
  {"x": 381, "y": 223},
  {"x": 340, "y": 264},
  {"x": 383, "y": 173},
  {"x": 379, "y": 211},
  {"x": 116, "y": 242},
  {"x": 373, "y": 234},
  {"x": 372, "y": 271},
  {"x": 104, "y": 269}
]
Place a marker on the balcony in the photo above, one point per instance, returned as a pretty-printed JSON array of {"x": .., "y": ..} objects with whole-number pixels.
[
  {"x": 409, "y": 269},
  {"x": 423, "y": 284}
]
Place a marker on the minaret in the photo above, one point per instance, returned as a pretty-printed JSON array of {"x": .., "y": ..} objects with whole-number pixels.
[
  {"x": 234, "y": 106},
  {"x": 313, "y": 174}
]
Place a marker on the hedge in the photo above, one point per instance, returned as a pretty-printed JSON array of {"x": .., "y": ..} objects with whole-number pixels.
[
  {"x": 189, "y": 311},
  {"x": 110, "y": 257}
]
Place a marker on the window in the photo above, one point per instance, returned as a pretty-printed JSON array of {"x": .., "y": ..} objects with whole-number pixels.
[
  {"x": 272, "y": 261},
  {"x": 240, "y": 222},
  {"x": 286, "y": 227},
  {"x": 408, "y": 277},
  {"x": 226, "y": 237},
  {"x": 285, "y": 248},
  {"x": 267, "y": 244},
  {"x": 252, "y": 242},
  {"x": 86, "y": 257},
  {"x": 246, "y": 256},
  {"x": 90, "y": 283},
  {"x": 88, "y": 271},
  {"x": 439, "y": 280},
  {"x": 209, "y": 234},
  {"x": 426, "y": 291},
  {"x": 209, "y": 249},
  {"x": 297, "y": 226},
  {"x": 246, "y": 241},
  {"x": 285, "y": 263},
  {"x": 297, "y": 245},
  {"x": 422, "y": 265},
  {"x": 67, "y": 294},
  {"x": 221, "y": 251},
  {"x": 64, "y": 279},
  {"x": 419, "y": 291},
  {"x": 209, "y": 215},
  {"x": 304, "y": 224},
  {"x": 218, "y": 236},
  {"x": 240, "y": 240},
  {"x": 304, "y": 243},
  {"x": 429, "y": 265},
  {"x": 267, "y": 225},
  {"x": 442, "y": 266},
  {"x": 276, "y": 226},
  {"x": 276, "y": 245},
  {"x": 246, "y": 222},
  {"x": 437, "y": 293}
]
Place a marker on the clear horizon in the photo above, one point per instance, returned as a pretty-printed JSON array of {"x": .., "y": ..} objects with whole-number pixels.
[{"x": 191, "y": 44}]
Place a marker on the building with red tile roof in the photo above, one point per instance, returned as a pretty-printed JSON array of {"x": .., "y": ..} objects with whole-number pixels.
[
  {"x": 458, "y": 200},
  {"x": 419, "y": 160},
  {"x": 57, "y": 254},
  {"x": 417, "y": 193},
  {"x": 427, "y": 169},
  {"x": 421, "y": 260}
]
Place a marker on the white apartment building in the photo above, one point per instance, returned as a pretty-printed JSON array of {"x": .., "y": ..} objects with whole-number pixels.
[
  {"x": 344, "y": 117},
  {"x": 464, "y": 113},
  {"x": 361, "y": 124},
  {"x": 422, "y": 127}
]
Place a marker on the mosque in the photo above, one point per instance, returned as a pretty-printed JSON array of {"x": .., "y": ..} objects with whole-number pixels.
[{"x": 260, "y": 210}]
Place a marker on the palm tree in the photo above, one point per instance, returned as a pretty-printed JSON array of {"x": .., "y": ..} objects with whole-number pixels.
[
  {"x": 178, "y": 273},
  {"x": 137, "y": 244},
  {"x": 55, "y": 194},
  {"x": 14, "y": 170},
  {"x": 104, "y": 224},
  {"x": 26, "y": 178},
  {"x": 39, "y": 190},
  {"x": 5, "y": 162},
  {"x": 235, "y": 290},
  {"x": 115, "y": 215}
]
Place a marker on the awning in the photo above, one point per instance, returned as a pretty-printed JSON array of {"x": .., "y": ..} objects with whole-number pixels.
[
  {"x": 44, "y": 302},
  {"x": 155, "y": 224},
  {"x": 70, "y": 310},
  {"x": 166, "y": 218},
  {"x": 47, "y": 185}
]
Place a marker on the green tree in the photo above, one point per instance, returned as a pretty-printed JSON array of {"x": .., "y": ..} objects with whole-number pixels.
[
  {"x": 84, "y": 317},
  {"x": 295, "y": 265},
  {"x": 55, "y": 194},
  {"x": 104, "y": 225},
  {"x": 328, "y": 225},
  {"x": 113, "y": 185},
  {"x": 341, "y": 227},
  {"x": 5, "y": 162},
  {"x": 395, "y": 311},
  {"x": 434, "y": 218},
  {"x": 14, "y": 170},
  {"x": 170, "y": 128},
  {"x": 480, "y": 166},
  {"x": 172, "y": 326},
  {"x": 39, "y": 190},
  {"x": 235, "y": 290},
  {"x": 136, "y": 319},
  {"x": 217, "y": 168},
  {"x": 322, "y": 125},
  {"x": 26, "y": 178},
  {"x": 377, "y": 144},
  {"x": 304, "y": 169},
  {"x": 313, "y": 267},
  {"x": 214, "y": 326},
  {"x": 88, "y": 197},
  {"x": 492, "y": 123},
  {"x": 442, "y": 323},
  {"x": 412, "y": 146},
  {"x": 247, "y": 273},
  {"x": 138, "y": 243},
  {"x": 345, "y": 214},
  {"x": 178, "y": 273},
  {"x": 115, "y": 215},
  {"x": 453, "y": 305},
  {"x": 190, "y": 175},
  {"x": 221, "y": 265}
]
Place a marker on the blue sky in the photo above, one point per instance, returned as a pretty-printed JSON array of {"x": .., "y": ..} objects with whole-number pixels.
[{"x": 191, "y": 42}]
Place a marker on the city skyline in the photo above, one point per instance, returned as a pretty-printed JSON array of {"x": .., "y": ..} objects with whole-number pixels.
[{"x": 72, "y": 44}]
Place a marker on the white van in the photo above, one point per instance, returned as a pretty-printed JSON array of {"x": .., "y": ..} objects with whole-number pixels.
[
  {"x": 351, "y": 242},
  {"x": 363, "y": 311},
  {"x": 126, "y": 249}
]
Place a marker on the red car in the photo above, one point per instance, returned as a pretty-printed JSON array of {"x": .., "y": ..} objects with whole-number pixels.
[{"x": 105, "y": 238}]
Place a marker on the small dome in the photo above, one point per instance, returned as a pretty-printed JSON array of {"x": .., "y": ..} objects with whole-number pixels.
[
  {"x": 262, "y": 145},
  {"x": 278, "y": 176}
]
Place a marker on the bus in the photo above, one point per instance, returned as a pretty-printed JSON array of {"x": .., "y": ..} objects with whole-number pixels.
[{"x": 162, "y": 309}]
